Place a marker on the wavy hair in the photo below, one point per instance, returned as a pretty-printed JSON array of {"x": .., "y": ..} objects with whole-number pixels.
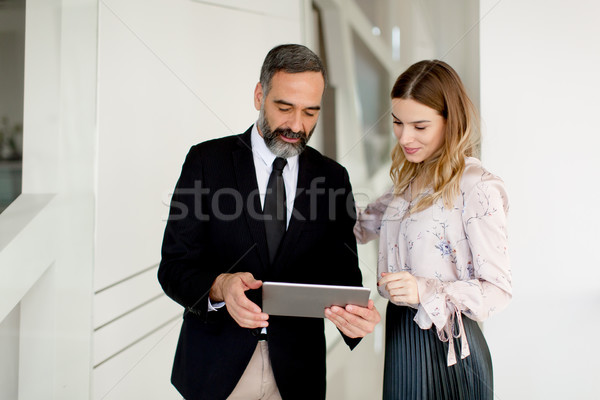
[{"x": 436, "y": 85}]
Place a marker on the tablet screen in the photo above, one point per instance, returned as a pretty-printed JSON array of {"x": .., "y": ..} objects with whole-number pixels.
[{"x": 304, "y": 300}]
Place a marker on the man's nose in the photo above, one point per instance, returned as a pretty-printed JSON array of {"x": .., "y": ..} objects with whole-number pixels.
[{"x": 295, "y": 121}]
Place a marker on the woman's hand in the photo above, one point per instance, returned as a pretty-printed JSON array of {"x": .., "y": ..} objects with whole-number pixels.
[{"x": 402, "y": 287}]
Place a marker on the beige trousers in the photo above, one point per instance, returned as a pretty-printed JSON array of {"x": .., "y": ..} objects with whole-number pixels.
[{"x": 257, "y": 382}]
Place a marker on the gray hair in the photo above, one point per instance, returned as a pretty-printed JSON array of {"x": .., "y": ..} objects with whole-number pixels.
[{"x": 290, "y": 58}]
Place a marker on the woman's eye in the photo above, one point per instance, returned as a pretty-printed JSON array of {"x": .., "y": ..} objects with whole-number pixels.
[
  {"x": 420, "y": 128},
  {"x": 397, "y": 122},
  {"x": 284, "y": 109}
]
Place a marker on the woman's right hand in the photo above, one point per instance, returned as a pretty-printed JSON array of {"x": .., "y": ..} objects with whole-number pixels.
[{"x": 402, "y": 287}]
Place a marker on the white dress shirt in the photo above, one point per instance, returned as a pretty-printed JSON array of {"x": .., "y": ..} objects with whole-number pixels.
[{"x": 263, "y": 165}]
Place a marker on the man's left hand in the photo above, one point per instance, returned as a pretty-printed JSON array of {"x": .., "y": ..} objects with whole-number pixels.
[{"x": 354, "y": 321}]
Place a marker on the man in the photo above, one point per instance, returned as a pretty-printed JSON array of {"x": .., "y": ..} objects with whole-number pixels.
[{"x": 261, "y": 206}]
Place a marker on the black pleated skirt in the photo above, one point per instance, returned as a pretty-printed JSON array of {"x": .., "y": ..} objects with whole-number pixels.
[{"x": 416, "y": 362}]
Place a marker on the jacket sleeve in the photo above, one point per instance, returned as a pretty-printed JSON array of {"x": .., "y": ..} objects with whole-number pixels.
[
  {"x": 345, "y": 221},
  {"x": 184, "y": 272}
]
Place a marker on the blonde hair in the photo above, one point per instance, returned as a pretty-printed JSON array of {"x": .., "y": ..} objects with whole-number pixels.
[{"x": 436, "y": 85}]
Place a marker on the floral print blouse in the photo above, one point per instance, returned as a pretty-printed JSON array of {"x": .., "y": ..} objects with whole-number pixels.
[{"x": 459, "y": 255}]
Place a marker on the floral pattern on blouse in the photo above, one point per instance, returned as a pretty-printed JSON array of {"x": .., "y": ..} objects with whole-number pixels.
[{"x": 459, "y": 255}]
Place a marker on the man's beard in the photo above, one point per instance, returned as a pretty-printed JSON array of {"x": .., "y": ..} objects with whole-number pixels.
[{"x": 278, "y": 146}]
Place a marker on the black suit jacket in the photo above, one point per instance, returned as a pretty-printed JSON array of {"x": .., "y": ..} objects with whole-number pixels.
[{"x": 215, "y": 227}]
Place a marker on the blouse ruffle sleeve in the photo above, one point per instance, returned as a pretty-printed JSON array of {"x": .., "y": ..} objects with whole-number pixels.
[
  {"x": 368, "y": 221},
  {"x": 489, "y": 288}
]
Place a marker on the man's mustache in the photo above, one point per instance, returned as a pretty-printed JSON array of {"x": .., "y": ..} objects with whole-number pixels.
[{"x": 289, "y": 133}]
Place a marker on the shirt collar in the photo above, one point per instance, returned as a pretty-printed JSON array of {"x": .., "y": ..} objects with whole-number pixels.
[{"x": 259, "y": 147}]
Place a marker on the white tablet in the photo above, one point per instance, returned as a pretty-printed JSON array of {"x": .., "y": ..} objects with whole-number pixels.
[{"x": 304, "y": 300}]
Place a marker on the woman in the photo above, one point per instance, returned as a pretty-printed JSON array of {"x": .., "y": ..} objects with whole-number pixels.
[{"x": 443, "y": 261}]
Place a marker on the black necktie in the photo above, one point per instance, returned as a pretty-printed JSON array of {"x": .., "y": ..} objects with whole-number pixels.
[{"x": 274, "y": 210}]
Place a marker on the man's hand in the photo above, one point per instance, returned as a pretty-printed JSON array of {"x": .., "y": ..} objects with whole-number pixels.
[
  {"x": 354, "y": 321},
  {"x": 231, "y": 289}
]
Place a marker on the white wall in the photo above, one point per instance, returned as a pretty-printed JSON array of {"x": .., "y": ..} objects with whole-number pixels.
[
  {"x": 539, "y": 91},
  {"x": 445, "y": 30},
  {"x": 46, "y": 239},
  {"x": 9, "y": 348},
  {"x": 178, "y": 73}
]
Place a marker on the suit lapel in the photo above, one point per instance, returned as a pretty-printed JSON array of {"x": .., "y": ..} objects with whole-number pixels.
[{"x": 243, "y": 163}]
